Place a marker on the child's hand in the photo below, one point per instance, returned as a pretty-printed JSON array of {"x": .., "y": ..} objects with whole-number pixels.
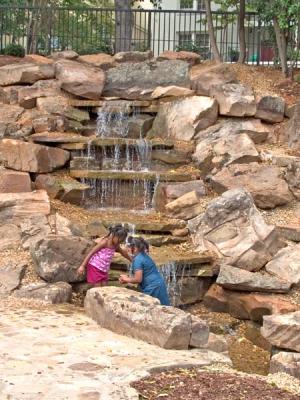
[
  {"x": 81, "y": 270},
  {"x": 123, "y": 279}
]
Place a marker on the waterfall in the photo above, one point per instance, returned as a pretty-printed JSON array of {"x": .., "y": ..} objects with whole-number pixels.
[{"x": 173, "y": 275}]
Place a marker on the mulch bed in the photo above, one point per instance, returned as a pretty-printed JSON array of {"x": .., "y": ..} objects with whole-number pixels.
[{"x": 184, "y": 384}]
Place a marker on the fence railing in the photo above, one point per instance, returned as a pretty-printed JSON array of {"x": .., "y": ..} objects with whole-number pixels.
[{"x": 94, "y": 30}]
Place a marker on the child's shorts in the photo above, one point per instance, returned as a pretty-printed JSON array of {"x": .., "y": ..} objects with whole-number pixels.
[{"x": 95, "y": 275}]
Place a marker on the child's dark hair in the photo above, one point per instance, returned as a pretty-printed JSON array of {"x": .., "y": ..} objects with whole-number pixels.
[
  {"x": 139, "y": 242},
  {"x": 118, "y": 231}
]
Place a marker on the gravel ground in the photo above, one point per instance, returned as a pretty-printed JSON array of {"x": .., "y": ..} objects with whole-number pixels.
[{"x": 196, "y": 384}]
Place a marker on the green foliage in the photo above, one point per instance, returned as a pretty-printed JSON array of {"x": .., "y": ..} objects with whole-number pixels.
[
  {"x": 190, "y": 46},
  {"x": 95, "y": 49},
  {"x": 233, "y": 54},
  {"x": 15, "y": 50}
]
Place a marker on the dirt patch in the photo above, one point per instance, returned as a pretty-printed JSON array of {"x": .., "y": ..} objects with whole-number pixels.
[{"x": 194, "y": 384}]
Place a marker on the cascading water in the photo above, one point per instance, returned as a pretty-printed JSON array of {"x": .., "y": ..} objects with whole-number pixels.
[{"x": 173, "y": 275}]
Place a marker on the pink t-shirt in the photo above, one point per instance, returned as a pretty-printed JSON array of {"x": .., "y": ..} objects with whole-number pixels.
[{"x": 102, "y": 259}]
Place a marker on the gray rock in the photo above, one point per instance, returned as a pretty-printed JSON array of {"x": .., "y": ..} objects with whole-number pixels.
[
  {"x": 57, "y": 258},
  {"x": 10, "y": 237},
  {"x": 238, "y": 279},
  {"x": 138, "y": 80},
  {"x": 293, "y": 129},
  {"x": 286, "y": 362},
  {"x": 133, "y": 56},
  {"x": 34, "y": 229},
  {"x": 184, "y": 118},
  {"x": 140, "y": 316},
  {"x": 60, "y": 292},
  {"x": 264, "y": 182},
  {"x": 283, "y": 330},
  {"x": 200, "y": 333},
  {"x": 286, "y": 265},
  {"x": 234, "y": 229},
  {"x": 270, "y": 109},
  {"x": 10, "y": 277}
]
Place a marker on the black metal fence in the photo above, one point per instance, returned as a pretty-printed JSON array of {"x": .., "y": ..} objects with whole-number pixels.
[{"x": 94, "y": 30}]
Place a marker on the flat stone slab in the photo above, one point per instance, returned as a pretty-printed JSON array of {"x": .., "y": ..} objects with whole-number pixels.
[
  {"x": 60, "y": 352},
  {"x": 135, "y": 175},
  {"x": 109, "y": 103}
]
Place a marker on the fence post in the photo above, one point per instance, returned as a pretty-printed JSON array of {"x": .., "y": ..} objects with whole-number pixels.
[
  {"x": 258, "y": 42},
  {"x": 149, "y": 33}
]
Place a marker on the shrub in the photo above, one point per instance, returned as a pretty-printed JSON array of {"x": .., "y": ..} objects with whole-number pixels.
[
  {"x": 194, "y": 48},
  {"x": 96, "y": 48},
  {"x": 15, "y": 50}
]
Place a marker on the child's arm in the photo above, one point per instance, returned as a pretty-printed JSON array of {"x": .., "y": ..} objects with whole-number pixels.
[
  {"x": 99, "y": 246},
  {"x": 136, "y": 278},
  {"x": 124, "y": 253}
]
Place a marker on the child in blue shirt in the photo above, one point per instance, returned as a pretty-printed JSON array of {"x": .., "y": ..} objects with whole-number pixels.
[{"x": 145, "y": 272}]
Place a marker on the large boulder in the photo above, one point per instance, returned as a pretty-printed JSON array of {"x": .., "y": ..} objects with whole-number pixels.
[
  {"x": 235, "y": 100},
  {"x": 252, "y": 306},
  {"x": 80, "y": 79},
  {"x": 205, "y": 79},
  {"x": 18, "y": 207},
  {"x": 167, "y": 192},
  {"x": 238, "y": 279},
  {"x": 283, "y": 330},
  {"x": 213, "y": 154},
  {"x": 55, "y": 293},
  {"x": 292, "y": 172},
  {"x": 264, "y": 182},
  {"x": 139, "y": 80},
  {"x": 270, "y": 109},
  {"x": 14, "y": 181},
  {"x": 286, "y": 265},
  {"x": 140, "y": 316},
  {"x": 57, "y": 258},
  {"x": 33, "y": 229},
  {"x": 11, "y": 276},
  {"x": 254, "y": 128},
  {"x": 188, "y": 56},
  {"x": 234, "y": 229},
  {"x": 286, "y": 362},
  {"x": 60, "y": 105},
  {"x": 184, "y": 118},
  {"x": 30, "y": 157},
  {"x": 25, "y": 73},
  {"x": 293, "y": 129},
  {"x": 100, "y": 60}
]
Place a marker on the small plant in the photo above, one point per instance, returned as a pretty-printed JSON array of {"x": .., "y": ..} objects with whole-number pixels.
[
  {"x": 15, "y": 50},
  {"x": 194, "y": 48},
  {"x": 96, "y": 48},
  {"x": 233, "y": 54}
]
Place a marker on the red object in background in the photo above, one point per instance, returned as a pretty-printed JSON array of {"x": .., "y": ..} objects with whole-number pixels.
[{"x": 266, "y": 53}]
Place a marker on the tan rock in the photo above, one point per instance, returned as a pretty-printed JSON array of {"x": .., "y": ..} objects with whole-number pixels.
[
  {"x": 217, "y": 343},
  {"x": 60, "y": 105},
  {"x": 60, "y": 292},
  {"x": 171, "y": 91},
  {"x": 133, "y": 56},
  {"x": 185, "y": 207},
  {"x": 27, "y": 96},
  {"x": 286, "y": 265},
  {"x": 183, "y": 119},
  {"x": 30, "y": 157},
  {"x": 33, "y": 229},
  {"x": 233, "y": 228},
  {"x": 270, "y": 109},
  {"x": 19, "y": 206},
  {"x": 205, "y": 79},
  {"x": 50, "y": 123},
  {"x": 287, "y": 363},
  {"x": 10, "y": 237},
  {"x": 237, "y": 279},
  {"x": 188, "y": 56},
  {"x": 36, "y": 58},
  {"x": 235, "y": 100},
  {"x": 9, "y": 115},
  {"x": 213, "y": 154},
  {"x": 251, "y": 306},
  {"x": 140, "y": 316},
  {"x": 101, "y": 60},
  {"x": 293, "y": 129},
  {"x": 11, "y": 276},
  {"x": 200, "y": 333},
  {"x": 283, "y": 330},
  {"x": 14, "y": 181},
  {"x": 80, "y": 79},
  {"x": 25, "y": 73},
  {"x": 64, "y": 55},
  {"x": 264, "y": 182}
]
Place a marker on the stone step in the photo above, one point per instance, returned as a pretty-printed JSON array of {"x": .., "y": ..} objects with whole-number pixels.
[
  {"x": 163, "y": 240},
  {"x": 170, "y": 176},
  {"x": 111, "y": 103}
]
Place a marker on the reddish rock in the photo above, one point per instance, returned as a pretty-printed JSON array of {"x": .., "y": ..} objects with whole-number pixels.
[
  {"x": 30, "y": 157},
  {"x": 14, "y": 181},
  {"x": 36, "y": 58},
  {"x": 27, "y": 96},
  {"x": 25, "y": 73},
  {"x": 80, "y": 79},
  {"x": 101, "y": 60},
  {"x": 188, "y": 56},
  {"x": 251, "y": 306},
  {"x": 264, "y": 182},
  {"x": 65, "y": 55}
]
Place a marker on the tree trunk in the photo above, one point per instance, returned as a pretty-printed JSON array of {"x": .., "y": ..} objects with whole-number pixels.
[
  {"x": 123, "y": 25},
  {"x": 242, "y": 37},
  {"x": 282, "y": 46},
  {"x": 211, "y": 32}
]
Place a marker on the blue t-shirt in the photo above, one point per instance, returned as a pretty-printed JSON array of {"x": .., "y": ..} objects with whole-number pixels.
[{"x": 151, "y": 275}]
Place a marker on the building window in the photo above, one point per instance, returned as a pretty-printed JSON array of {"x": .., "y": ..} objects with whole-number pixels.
[
  {"x": 202, "y": 40},
  {"x": 186, "y": 4},
  {"x": 184, "y": 38},
  {"x": 201, "y": 5}
]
